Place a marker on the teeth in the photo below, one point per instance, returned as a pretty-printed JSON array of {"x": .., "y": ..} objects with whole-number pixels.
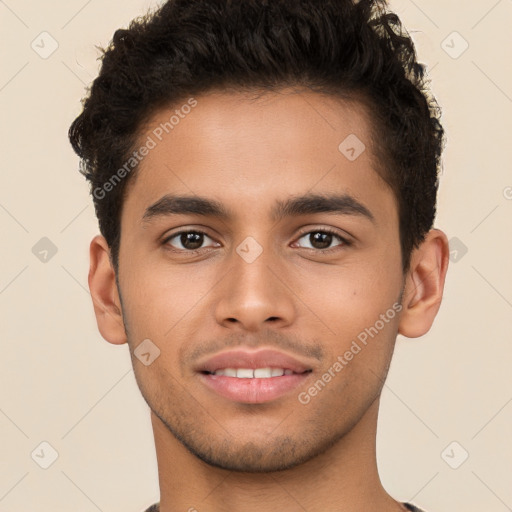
[
  {"x": 263, "y": 373},
  {"x": 245, "y": 373},
  {"x": 249, "y": 373}
]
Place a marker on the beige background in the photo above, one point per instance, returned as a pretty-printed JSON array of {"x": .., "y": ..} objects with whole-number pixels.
[{"x": 61, "y": 383}]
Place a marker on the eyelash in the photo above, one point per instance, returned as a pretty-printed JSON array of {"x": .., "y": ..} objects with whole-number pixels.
[{"x": 344, "y": 242}]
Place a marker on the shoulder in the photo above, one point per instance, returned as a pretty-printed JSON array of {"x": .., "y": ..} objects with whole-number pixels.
[
  {"x": 412, "y": 508},
  {"x": 156, "y": 508}
]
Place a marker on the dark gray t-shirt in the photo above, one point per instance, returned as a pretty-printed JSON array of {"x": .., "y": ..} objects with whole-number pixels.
[{"x": 412, "y": 508}]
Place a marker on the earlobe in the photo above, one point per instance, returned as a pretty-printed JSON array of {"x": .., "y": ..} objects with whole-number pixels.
[
  {"x": 424, "y": 285},
  {"x": 104, "y": 293}
]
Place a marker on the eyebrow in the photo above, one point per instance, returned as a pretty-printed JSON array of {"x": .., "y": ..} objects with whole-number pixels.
[{"x": 293, "y": 207}]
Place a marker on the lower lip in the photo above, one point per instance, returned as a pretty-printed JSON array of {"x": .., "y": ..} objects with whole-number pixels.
[{"x": 253, "y": 391}]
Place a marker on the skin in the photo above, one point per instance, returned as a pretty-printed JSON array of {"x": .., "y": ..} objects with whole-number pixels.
[{"x": 215, "y": 454}]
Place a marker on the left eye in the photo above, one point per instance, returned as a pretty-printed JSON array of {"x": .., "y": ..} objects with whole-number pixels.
[
  {"x": 188, "y": 240},
  {"x": 321, "y": 239}
]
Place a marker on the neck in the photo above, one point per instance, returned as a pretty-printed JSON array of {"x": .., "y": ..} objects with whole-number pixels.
[{"x": 344, "y": 478}]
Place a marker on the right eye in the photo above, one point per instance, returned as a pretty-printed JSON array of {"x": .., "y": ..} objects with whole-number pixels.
[{"x": 188, "y": 241}]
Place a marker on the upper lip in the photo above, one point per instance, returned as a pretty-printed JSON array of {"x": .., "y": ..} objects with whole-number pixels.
[{"x": 264, "y": 358}]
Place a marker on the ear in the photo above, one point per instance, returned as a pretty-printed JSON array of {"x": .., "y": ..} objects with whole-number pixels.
[
  {"x": 104, "y": 293},
  {"x": 424, "y": 285}
]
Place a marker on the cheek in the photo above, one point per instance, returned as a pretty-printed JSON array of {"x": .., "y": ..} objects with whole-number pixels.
[
  {"x": 360, "y": 313},
  {"x": 160, "y": 299},
  {"x": 348, "y": 297}
]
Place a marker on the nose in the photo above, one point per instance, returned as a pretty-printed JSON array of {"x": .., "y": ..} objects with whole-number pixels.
[{"x": 255, "y": 295}]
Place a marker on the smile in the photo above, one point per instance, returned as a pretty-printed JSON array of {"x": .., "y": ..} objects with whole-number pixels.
[
  {"x": 249, "y": 373},
  {"x": 253, "y": 376}
]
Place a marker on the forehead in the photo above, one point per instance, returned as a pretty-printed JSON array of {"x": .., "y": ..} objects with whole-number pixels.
[{"x": 249, "y": 150}]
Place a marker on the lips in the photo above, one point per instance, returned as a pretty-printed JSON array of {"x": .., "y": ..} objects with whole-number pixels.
[
  {"x": 253, "y": 360},
  {"x": 253, "y": 376}
]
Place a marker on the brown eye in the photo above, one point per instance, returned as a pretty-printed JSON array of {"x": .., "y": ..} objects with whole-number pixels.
[
  {"x": 321, "y": 240},
  {"x": 188, "y": 240}
]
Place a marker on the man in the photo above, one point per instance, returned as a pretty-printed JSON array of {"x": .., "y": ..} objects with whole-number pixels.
[{"x": 265, "y": 176}]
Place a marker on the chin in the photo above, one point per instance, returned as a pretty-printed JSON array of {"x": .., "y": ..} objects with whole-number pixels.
[{"x": 249, "y": 458}]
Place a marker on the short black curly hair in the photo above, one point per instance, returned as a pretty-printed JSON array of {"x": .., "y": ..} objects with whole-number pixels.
[{"x": 346, "y": 48}]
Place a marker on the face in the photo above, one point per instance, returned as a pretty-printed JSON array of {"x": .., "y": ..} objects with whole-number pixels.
[{"x": 264, "y": 263}]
